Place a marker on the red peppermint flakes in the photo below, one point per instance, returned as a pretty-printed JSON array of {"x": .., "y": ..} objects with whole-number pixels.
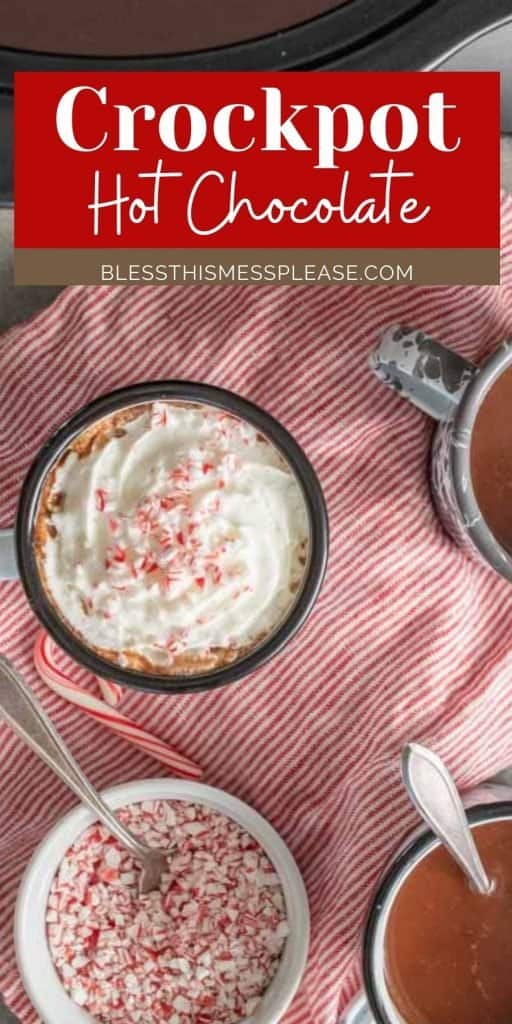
[
  {"x": 201, "y": 950},
  {"x": 101, "y": 499},
  {"x": 148, "y": 564},
  {"x": 215, "y": 573},
  {"x": 159, "y": 415}
]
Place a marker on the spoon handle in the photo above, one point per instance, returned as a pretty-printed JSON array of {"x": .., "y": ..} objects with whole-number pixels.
[
  {"x": 20, "y": 709},
  {"x": 435, "y": 795}
]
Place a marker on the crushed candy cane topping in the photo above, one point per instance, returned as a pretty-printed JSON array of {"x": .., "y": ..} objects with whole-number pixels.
[
  {"x": 201, "y": 950},
  {"x": 184, "y": 531}
]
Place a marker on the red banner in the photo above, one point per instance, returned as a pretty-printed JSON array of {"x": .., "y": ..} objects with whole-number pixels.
[{"x": 245, "y": 160}]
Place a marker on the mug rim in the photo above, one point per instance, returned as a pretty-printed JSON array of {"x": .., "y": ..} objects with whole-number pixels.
[
  {"x": 200, "y": 393},
  {"x": 486, "y": 374},
  {"x": 396, "y": 874}
]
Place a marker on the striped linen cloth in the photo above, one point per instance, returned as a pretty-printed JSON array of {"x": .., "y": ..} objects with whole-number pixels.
[{"x": 409, "y": 639}]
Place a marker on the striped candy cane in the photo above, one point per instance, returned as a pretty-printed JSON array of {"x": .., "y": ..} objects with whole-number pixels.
[
  {"x": 111, "y": 692},
  {"x": 101, "y": 711}
]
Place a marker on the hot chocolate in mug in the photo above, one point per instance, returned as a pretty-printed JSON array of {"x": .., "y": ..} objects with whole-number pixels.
[
  {"x": 489, "y": 806},
  {"x": 471, "y": 460},
  {"x": 131, "y": 495}
]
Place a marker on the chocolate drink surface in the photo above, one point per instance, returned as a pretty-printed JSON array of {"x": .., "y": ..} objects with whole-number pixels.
[
  {"x": 127, "y": 27},
  {"x": 491, "y": 459},
  {"x": 448, "y": 950}
]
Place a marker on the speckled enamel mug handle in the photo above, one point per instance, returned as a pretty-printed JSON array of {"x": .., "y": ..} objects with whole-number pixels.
[
  {"x": 8, "y": 566},
  {"x": 421, "y": 369}
]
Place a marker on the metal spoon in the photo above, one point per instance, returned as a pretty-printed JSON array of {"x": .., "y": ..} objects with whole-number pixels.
[
  {"x": 435, "y": 795},
  {"x": 20, "y": 709}
]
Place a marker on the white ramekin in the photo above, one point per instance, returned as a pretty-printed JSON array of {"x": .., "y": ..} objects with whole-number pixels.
[{"x": 38, "y": 974}]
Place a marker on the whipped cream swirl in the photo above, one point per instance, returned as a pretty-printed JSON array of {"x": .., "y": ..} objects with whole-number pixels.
[{"x": 180, "y": 531}]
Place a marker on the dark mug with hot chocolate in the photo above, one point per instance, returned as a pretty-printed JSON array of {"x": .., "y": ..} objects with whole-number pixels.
[
  {"x": 434, "y": 951},
  {"x": 471, "y": 461},
  {"x": 171, "y": 536}
]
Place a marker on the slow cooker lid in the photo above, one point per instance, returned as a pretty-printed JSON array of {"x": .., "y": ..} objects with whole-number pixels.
[
  {"x": 124, "y": 28},
  {"x": 352, "y": 35}
]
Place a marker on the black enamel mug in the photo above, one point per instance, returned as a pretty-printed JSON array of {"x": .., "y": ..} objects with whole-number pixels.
[{"x": 18, "y": 557}]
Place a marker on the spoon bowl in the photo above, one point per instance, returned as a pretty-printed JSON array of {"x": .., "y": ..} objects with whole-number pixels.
[{"x": 433, "y": 792}]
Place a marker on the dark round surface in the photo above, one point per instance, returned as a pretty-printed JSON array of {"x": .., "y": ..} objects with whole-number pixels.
[
  {"x": 204, "y": 395},
  {"x": 122, "y": 28},
  {"x": 351, "y": 35},
  {"x": 418, "y": 847}
]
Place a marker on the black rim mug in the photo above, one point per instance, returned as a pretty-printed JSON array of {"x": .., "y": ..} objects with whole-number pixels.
[
  {"x": 17, "y": 555},
  {"x": 487, "y": 803}
]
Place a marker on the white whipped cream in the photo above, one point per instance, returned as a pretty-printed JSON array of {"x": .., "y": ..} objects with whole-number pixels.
[{"x": 186, "y": 533}]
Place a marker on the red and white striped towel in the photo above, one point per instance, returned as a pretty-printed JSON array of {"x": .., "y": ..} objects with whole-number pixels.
[{"x": 409, "y": 638}]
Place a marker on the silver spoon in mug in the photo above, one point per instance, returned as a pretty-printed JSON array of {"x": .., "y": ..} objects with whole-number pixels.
[
  {"x": 436, "y": 797},
  {"x": 20, "y": 709}
]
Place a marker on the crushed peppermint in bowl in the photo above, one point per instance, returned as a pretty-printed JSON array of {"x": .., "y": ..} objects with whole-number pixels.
[
  {"x": 204, "y": 948},
  {"x": 224, "y": 940}
]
